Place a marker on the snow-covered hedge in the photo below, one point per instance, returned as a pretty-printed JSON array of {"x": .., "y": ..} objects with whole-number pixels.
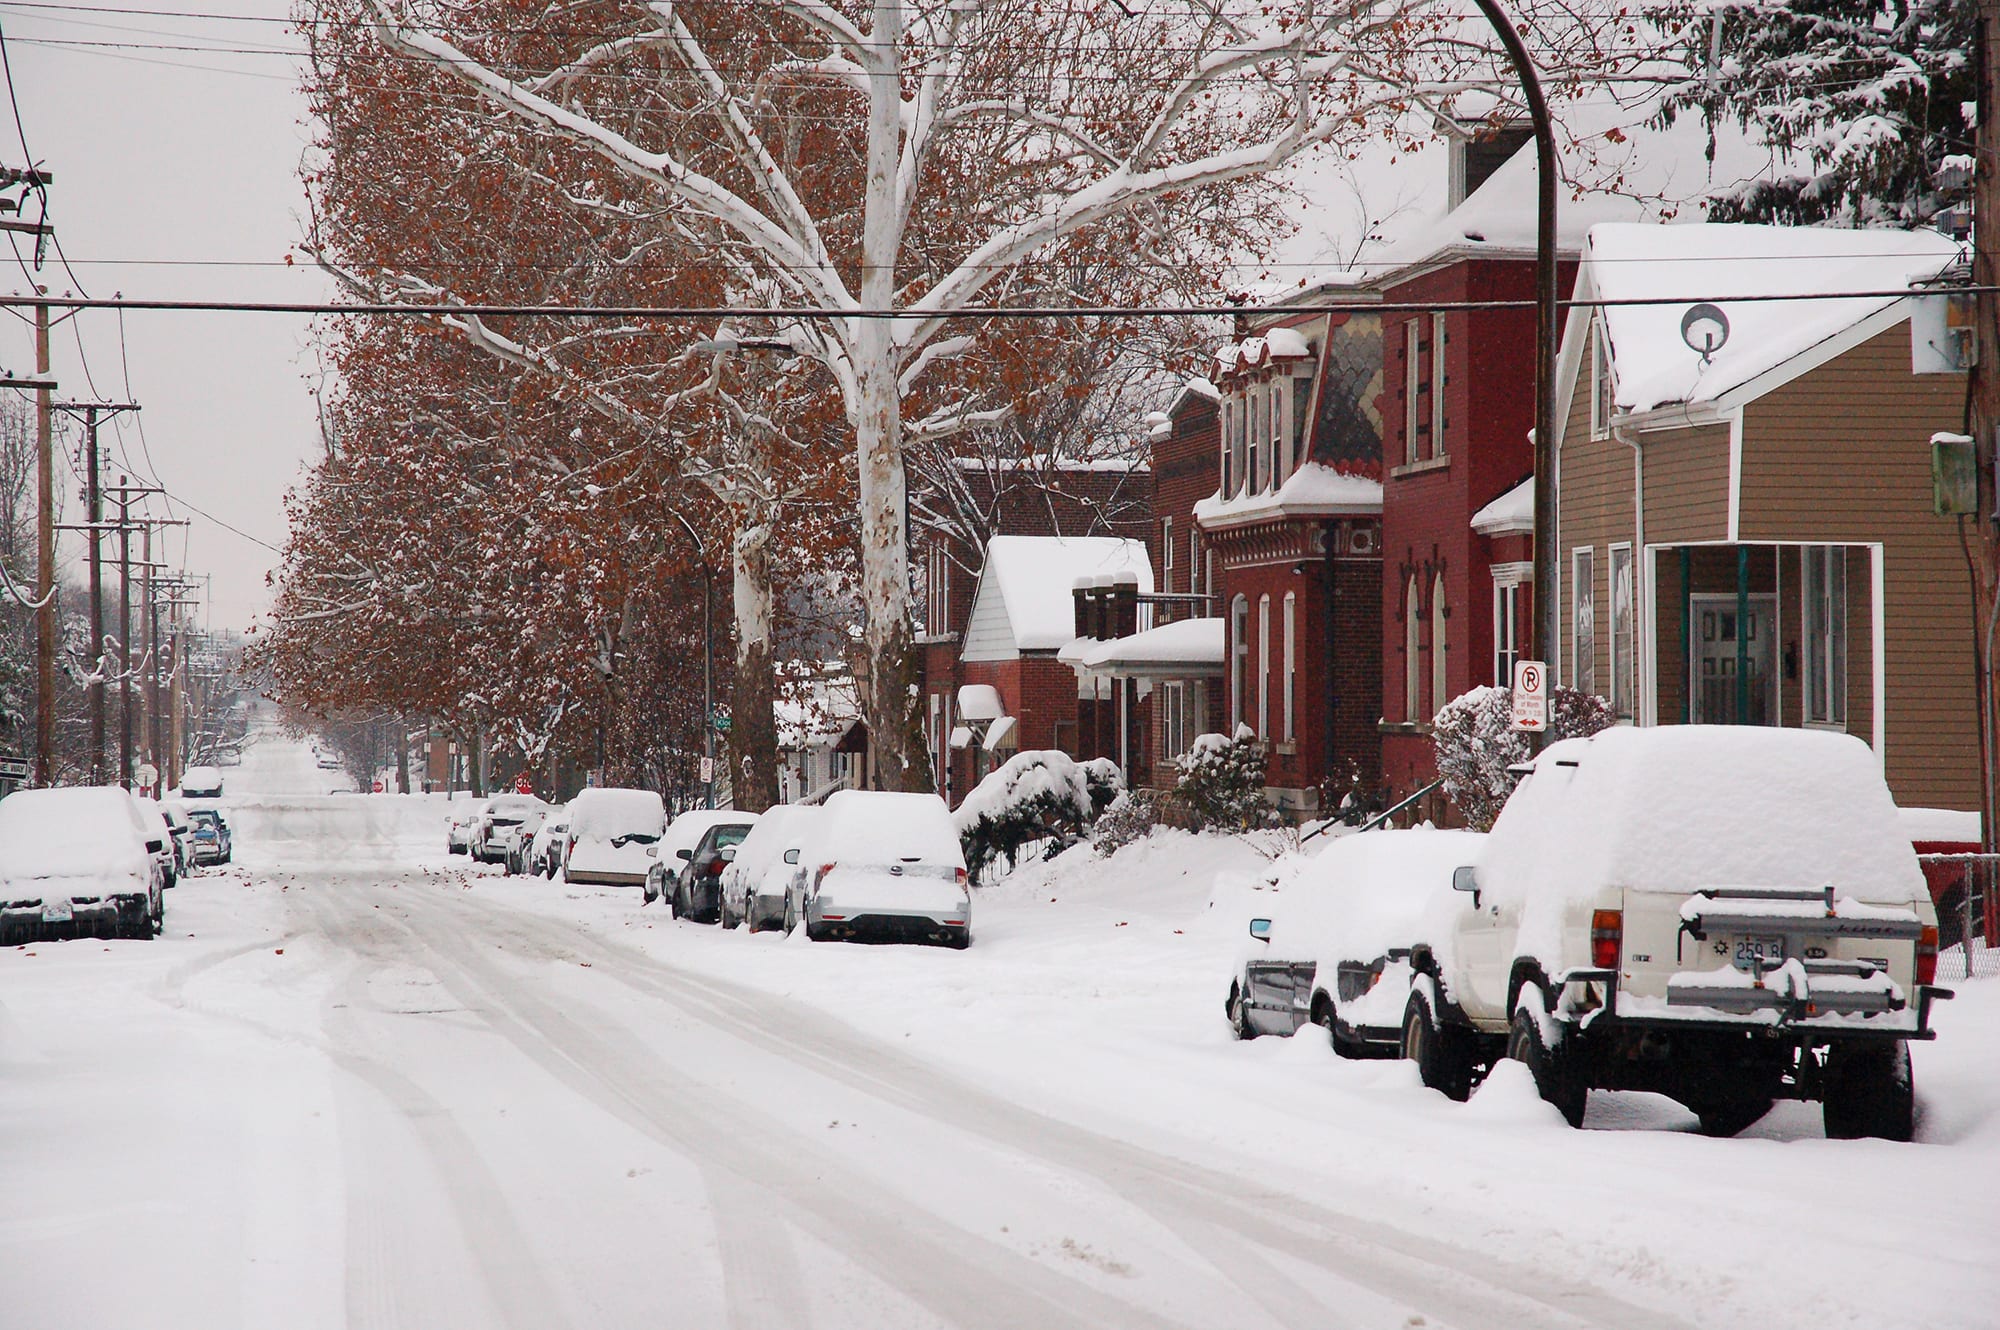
[
  {"x": 1221, "y": 783},
  {"x": 1040, "y": 795},
  {"x": 1476, "y": 742}
]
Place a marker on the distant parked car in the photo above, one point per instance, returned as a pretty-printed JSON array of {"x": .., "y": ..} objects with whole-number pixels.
[
  {"x": 697, "y": 893},
  {"x": 614, "y": 836},
  {"x": 759, "y": 885},
  {"x": 179, "y": 832},
  {"x": 887, "y": 866},
  {"x": 464, "y": 817},
  {"x": 327, "y": 761},
  {"x": 677, "y": 848},
  {"x": 79, "y": 861},
  {"x": 159, "y": 833},
  {"x": 212, "y": 843},
  {"x": 201, "y": 783},
  {"x": 545, "y": 851},
  {"x": 1336, "y": 950},
  {"x": 495, "y": 816}
]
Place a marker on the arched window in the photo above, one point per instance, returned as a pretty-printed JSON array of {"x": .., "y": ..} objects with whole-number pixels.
[
  {"x": 1264, "y": 667},
  {"x": 1413, "y": 645},
  {"x": 1239, "y": 648},
  {"x": 1440, "y": 688}
]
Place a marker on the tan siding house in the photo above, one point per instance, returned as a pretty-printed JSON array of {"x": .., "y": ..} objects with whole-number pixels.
[{"x": 1785, "y": 567}]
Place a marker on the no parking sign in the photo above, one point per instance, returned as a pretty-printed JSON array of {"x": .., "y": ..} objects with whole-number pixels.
[{"x": 1531, "y": 695}]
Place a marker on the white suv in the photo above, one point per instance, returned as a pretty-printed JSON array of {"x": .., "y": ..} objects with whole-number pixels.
[{"x": 1724, "y": 915}]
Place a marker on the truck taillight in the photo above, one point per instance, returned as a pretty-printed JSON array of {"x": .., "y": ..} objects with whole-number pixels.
[
  {"x": 1927, "y": 955},
  {"x": 958, "y": 876},
  {"x": 820, "y": 876},
  {"x": 1607, "y": 929}
]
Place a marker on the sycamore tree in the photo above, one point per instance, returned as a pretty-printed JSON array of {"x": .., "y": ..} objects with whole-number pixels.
[{"x": 883, "y": 166}]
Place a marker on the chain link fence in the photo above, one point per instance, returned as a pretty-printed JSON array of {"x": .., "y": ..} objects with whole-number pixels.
[{"x": 1966, "y": 888}]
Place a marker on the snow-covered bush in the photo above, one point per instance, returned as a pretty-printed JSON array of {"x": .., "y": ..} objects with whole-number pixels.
[
  {"x": 1037, "y": 796},
  {"x": 1476, "y": 742},
  {"x": 1221, "y": 783}
]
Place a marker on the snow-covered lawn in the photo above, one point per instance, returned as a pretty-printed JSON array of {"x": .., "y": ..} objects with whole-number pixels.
[{"x": 319, "y": 1071}]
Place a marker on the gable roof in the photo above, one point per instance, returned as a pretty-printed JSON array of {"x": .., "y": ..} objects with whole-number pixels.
[
  {"x": 1653, "y": 367},
  {"x": 1023, "y": 601}
]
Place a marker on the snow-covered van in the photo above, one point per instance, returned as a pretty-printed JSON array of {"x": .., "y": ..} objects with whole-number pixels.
[
  {"x": 614, "y": 836},
  {"x": 1724, "y": 915},
  {"x": 1335, "y": 950}
]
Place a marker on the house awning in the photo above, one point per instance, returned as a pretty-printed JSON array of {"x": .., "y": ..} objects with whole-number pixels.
[
  {"x": 1192, "y": 648},
  {"x": 1513, "y": 513},
  {"x": 1000, "y": 736},
  {"x": 980, "y": 701}
]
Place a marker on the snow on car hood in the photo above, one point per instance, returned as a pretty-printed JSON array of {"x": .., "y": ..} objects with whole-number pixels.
[{"x": 71, "y": 834}]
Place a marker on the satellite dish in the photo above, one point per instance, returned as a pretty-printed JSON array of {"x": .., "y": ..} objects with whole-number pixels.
[{"x": 1705, "y": 329}]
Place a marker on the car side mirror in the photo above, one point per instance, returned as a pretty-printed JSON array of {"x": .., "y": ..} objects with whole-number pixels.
[
  {"x": 1466, "y": 878},
  {"x": 791, "y": 856},
  {"x": 1260, "y": 929},
  {"x": 729, "y": 854},
  {"x": 684, "y": 854},
  {"x": 652, "y": 851}
]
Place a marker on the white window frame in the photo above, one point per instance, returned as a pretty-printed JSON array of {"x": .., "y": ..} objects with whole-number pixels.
[
  {"x": 1437, "y": 449},
  {"x": 1507, "y": 584},
  {"x": 1239, "y": 651},
  {"x": 1280, "y": 462},
  {"x": 1229, "y": 440},
  {"x": 1301, "y": 417},
  {"x": 1413, "y": 705},
  {"x": 1823, "y": 600},
  {"x": 1412, "y": 369},
  {"x": 1440, "y": 648},
  {"x": 1167, "y": 551},
  {"x": 1602, "y": 383},
  {"x": 1253, "y": 435},
  {"x": 1583, "y": 619},
  {"x": 1264, "y": 667},
  {"x": 1290, "y": 730},
  {"x": 1624, "y": 680}
]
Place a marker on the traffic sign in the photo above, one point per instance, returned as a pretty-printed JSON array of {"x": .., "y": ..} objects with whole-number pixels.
[
  {"x": 15, "y": 768},
  {"x": 1531, "y": 696},
  {"x": 707, "y": 770}
]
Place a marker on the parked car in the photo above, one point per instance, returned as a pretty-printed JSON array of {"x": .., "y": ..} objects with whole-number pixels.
[
  {"x": 614, "y": 837},
  {"x": 79, "y": 861},
  {"x": 677, "y": 848},
  {"x": 887, "y": 866},
  {"x": 462, "y": 820},
  {"x": 327, "y": 761},
  {"x": 212, "y": 843},
  {"x": 180, "y": 857},
  {"x": 201, "y": 783},
  {"x": 1336, "y": 950},
  {"x": 697, "y": 893},
  {"x": 159, "y": 833},
  {"x": 545, "y": 851},
  {"x": 1723, "y": 915},
  {"x": 760, "y": 886},
  {"x": 495, "y": 816}
]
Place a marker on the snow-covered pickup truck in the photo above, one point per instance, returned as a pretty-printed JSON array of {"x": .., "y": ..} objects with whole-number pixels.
[{"x": 1726, "y": 916}]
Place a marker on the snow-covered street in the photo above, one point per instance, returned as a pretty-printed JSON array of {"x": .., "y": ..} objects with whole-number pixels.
[{"x": 355, "y": 1086}]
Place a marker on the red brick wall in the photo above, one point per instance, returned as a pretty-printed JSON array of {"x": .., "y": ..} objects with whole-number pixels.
[{"x": 1184, "y": 472}]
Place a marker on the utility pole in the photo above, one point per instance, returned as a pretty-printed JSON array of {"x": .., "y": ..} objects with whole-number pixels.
[
  {"x": 45, "y": 553},
  {"x": 1983, "y": 399},
  {"x": 93, "y": 413},
  {"x": 125, "y": 492}
]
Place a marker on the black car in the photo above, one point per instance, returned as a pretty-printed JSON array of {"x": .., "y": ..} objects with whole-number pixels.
[{"x": 698, "y": 889}]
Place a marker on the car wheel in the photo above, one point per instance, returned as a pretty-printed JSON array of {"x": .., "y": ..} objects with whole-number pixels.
[
  {"x": 729, "y": 918},
  {"x": 135, "y": 923},
  {"x": 959, "y": 940},
  {"x": 1730, "y": 1116},
  {"x": 1555, "y": 1080},
  {"x": 1443, "y": 1053},
  {"x": 1869, "y": 1092},
  {"x": 1327, "y": 1017},
  {"x": 1239, "y": 1013},
  {"x": 674, "y": 902},
  {"x": 791, "y": 915}
]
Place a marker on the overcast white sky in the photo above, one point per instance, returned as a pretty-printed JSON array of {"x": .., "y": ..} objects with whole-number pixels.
[{"x": 181, "y": 182}]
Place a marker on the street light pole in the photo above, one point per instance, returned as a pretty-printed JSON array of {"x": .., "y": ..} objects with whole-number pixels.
[
  {"x": 707, "y": 656},
  {"x": 1545, "y": 637}
]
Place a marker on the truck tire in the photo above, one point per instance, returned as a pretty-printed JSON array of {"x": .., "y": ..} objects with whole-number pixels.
[
  {"x": 1869, "y": 1092},
  {"x": 1443, "y": 1054},
  {"x": 1239, "y": 1013},
  {"x": 1730, "y": 1116},
  {"x": 1555, "y": 1080}
]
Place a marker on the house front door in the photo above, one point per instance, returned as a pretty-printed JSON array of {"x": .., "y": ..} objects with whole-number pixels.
[{"x": 1722, "y": 640}]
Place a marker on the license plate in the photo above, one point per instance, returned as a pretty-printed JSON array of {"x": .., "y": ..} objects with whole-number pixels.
[
  {"x": 57, "y": 912},
  {"x": 1750, "y": 950}
]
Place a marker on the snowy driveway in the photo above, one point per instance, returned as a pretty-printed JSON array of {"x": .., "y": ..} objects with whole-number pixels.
[{"x": 348, "y": 1092}]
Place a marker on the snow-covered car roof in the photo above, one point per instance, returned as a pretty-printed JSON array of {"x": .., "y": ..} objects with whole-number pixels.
[
  {"x": 200, "y": 778},
  {"x": 1683, "y": 807},
  {"x": 1367, "y": 892},
  {"x": 880, "y": 827},
  {"x": 782, "y": 827},
  {"x": 601, "y": 814},
  {"x": 687, "y": 830},
  {"x": 513, "y": 805},
  {"x": 75, "y": 832}
]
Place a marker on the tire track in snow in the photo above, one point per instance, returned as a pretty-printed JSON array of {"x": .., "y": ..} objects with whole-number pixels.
[{"x": 1211, "y": 1209}]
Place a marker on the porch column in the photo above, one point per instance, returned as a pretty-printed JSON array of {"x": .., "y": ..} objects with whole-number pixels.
[
  {"x": 1742, "y": 634},
  {"x": 1878, "y": 647}
]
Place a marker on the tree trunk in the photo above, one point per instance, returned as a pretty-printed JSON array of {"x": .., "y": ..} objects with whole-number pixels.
[
  {"x": 753, "y": 732},
  {"x": 475, "y": 774},
  {"x": 402, "y": 733}
]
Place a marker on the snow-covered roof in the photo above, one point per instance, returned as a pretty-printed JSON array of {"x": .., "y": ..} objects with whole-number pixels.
[
  {"x": 1512, "y": 512},
  {"x": 1934, "y": 825},
  {"x": 1023, "y": 600},
  {"x": 1273, "y": 344},
  {"x": 1314, "y": 490},
  {"x": 980, "y": 701},
  {"x": 1192, "y": 646},
  {"x": 1653, "y": 366}
]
